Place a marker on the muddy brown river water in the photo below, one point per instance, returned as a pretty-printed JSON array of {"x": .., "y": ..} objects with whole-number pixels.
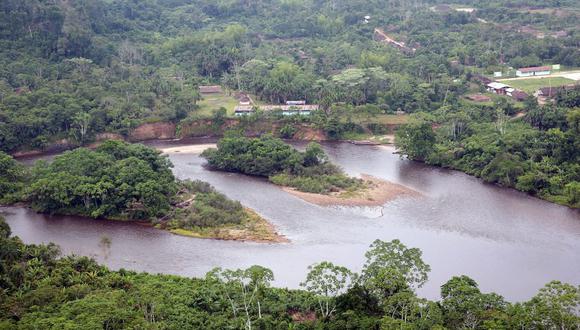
[{"x": 510, "y": 243}]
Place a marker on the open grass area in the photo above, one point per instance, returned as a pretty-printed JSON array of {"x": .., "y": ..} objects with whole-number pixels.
[
  {"x": 212, "y": 102},
  {"x": 533, "y": 84},
  {"x": 393, "y": 119},
  {"x": 381, "y": 119}
]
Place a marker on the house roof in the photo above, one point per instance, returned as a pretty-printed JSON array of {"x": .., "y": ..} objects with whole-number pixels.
[
  {"x": 535, "y": 69},
  {"x": 210, "y": 89},
  {"x": 308, "y": 107},
  {"x": 301, "y": 102},
  {"x": 244, "y": 108},
  {"x": 497, "y": 85}
]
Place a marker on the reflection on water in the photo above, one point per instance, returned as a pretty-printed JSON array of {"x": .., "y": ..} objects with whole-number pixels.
[{"x": 507, "y": 241}]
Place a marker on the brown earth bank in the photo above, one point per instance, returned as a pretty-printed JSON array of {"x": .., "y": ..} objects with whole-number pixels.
[
  {"x": 167, "y": 130},
  {"x": 153, "y": 131},
  {"x": 197, "y": 128},
  {"x": 377, "y": 193}
]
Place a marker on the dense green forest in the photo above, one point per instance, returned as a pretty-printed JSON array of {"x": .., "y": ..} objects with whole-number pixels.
[
  {"x": 539, "y": 155},
  {"x": 39, "y": 290},
  {"x": 308, "y": 171},
  {"x": 72, "y": 69},
  {"x": 120, "y": 181},
  {"x": 129, "y": 181}
]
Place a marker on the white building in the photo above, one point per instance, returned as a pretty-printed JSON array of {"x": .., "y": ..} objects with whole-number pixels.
[
  {"x": 534, "y": 71},
  {"x": 497, "y": 88}
]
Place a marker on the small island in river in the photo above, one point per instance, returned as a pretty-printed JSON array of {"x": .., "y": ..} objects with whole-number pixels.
[
  {"x": 132, "y": 182},
  {"x": 202, "y": 212},
  {"x": 376, "y": 193},
  {"x": 308, "y": 175}
]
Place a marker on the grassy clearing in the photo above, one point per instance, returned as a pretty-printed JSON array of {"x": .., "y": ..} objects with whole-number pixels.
[
  {"x": 211, "y": 102},
  {"x": 532, "y": 85},
  {"x": 393, "y": 119},
  {"x": 382, "y": 119}
]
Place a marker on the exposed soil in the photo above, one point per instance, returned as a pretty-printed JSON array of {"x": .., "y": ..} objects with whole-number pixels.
[
  {"x": 309, "y": 134},
  {"x": 153, "y": 131}
]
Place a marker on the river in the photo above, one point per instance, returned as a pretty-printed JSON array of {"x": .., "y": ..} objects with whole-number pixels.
[{"x": 509, "y": 242}]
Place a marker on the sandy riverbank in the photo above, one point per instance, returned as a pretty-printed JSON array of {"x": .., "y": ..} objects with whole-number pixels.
[
  {"x": 379, "y": 192},
  {"x": 189, "y": 149}
]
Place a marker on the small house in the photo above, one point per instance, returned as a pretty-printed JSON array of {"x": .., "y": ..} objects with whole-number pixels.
[
  {"x": 295, "y": 102},
  {"x": 534, "y": 71},
  {"x": 289, "y": 110},
  {"x": 244, "y": 110},
  {"x": 498, "y": 88},
  {"x": 245, "y": 100},
  {"x": 214, "y": 89}
]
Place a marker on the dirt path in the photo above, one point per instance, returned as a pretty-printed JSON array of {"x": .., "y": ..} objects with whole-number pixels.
[{"x": 572, "y": 75}]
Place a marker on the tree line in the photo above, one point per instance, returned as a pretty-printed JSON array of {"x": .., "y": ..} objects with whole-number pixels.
[
  {"x": 267, "y": 156},
  {"x": 538, "y": 153},
  {"x": 119, "y": 181},
  {"x": 71, "y": 70},
  {"x": 40, "y": 289}
]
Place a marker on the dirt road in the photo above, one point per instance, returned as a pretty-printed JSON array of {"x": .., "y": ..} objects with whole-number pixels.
[{"x": 573, "y": 75}]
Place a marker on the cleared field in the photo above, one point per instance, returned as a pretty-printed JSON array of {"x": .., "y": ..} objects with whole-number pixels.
[
  {"x": 533, "y": 84},
  {"x": 212, "y": 102},
  {"x": 393, "y": 119},
  {"x": 382, "y": 119}
]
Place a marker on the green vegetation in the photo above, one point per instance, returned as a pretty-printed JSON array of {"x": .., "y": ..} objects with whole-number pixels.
[
  {"x": 117, "y": 180},
  {"x": 40, "y": 290},
  {"x": 531, "y": 85},
  {"x": 539, "y": 155},
  {"x": 124, "y": 181},
  {"x": 308, "y": 171},
  {"x": 74, "y": 69},
  {"x": 11, "y": 178},
  {"x": 201, "y": 211},
  {"x": 211, "y": 102}
]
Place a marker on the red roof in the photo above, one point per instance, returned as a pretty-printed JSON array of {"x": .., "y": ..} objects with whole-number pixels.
[{"x": 535, "y": 69}]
